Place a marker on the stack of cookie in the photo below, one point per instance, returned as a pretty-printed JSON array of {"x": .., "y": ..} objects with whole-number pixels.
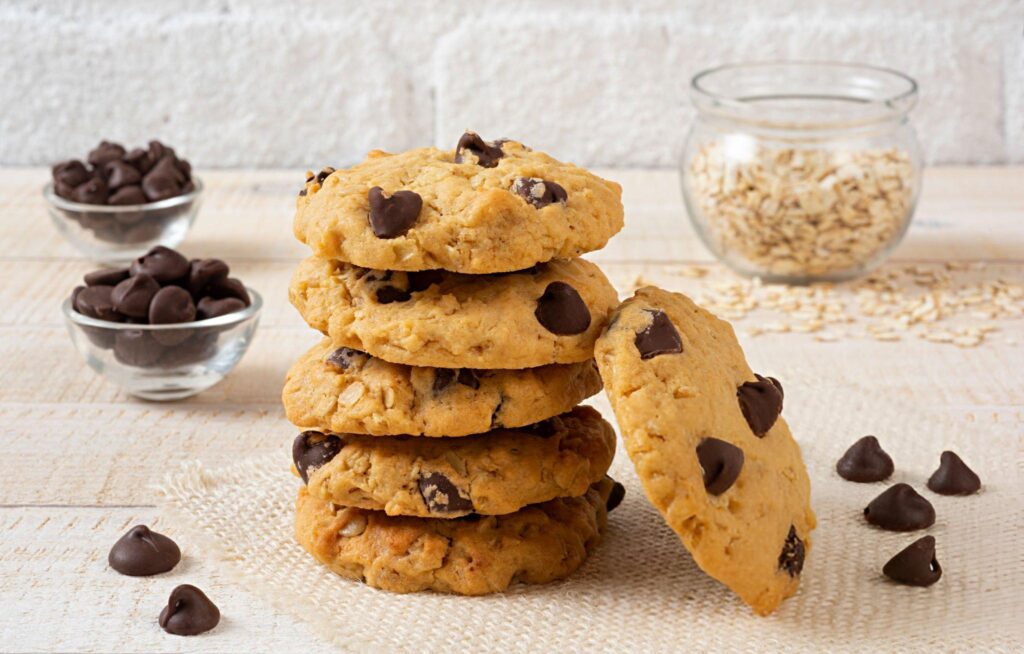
[{"x": 445, "y": 449}]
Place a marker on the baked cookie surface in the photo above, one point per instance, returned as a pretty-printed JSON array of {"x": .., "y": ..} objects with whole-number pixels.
[
  {"x": 551, "y": 313},
  {"x": 346, "y": 391},
  {"x": 491, "y": 474},
  {"x": 474, "y": 555},
  {"x": 481, "y": 208},
  {"x": 709, "y": 444}
]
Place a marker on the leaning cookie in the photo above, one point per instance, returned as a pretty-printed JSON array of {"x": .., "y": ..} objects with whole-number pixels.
[
  {"x": 346, "y": 391},
  {"x": 551, "y": 313},
  {"x": 481, "y": 208},
  {"x": 492, "y": 474},
  {"x": 474, "y": 555},
  {"x": 709, "y": 444}
]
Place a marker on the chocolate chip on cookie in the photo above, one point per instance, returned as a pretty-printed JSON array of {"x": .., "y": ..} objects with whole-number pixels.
[
  {"x": 441, "y": 495},
  {"x": 391, "y": 217},
  {"x": 142, "y": 552},
  {"x": 915, "y": 565},
  {"x": 469, "y": 378},
  {"x": 344, "y": 358},
  {"x": 721, "y": 463},
  {"x": 791, "y": 559},
  {"x": 538, "y": 192},
  {"x": 865, "y": 461},
  {"x": 562, "y": 311},
  {"x": 188, "y": 612},
  {"x": 953, "y": 477},
  {"x": 900, "y": 508},
  {"x": 761, "y": 403},
  {"x": 659, "y": 337},
  {"x": 443, "y": 378},
  {"x": 615, "y": 496},
  {"x": 388, "y": 294},
  {"x": 486, "y": 154},
  {"x": 312, "y": 449},
  {"x": 323, "y": 175},
  {"x": 424, "y": 279}
]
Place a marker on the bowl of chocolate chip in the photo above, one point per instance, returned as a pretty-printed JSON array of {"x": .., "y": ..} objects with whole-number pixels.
[
  {"x": 118, "y": 203},
  {"x": 165, "y": 327}
]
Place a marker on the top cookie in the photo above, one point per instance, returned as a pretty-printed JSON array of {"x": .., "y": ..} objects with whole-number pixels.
[
  {"x": 481, "y": 208},
  {"x": 709, "y": 444}
]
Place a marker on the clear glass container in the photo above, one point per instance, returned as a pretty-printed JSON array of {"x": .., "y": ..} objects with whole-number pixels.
[
  {"x": 164, "y": 362},
  {"x": 801, "y": 172},
  {"x": 119, "y": 233}
]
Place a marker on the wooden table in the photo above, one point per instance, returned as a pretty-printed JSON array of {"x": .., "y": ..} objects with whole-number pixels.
[{"x": 79, "y": 455}]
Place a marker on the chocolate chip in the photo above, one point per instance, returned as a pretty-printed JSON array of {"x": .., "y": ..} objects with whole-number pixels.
[
  {"x": 70, "y": 173},
  {"x": 791, "y": 559},
  {"x": 659, "y": 337},
  {"x": 388, "y": 294},
  {"x": 443, "y": 378},
  {"x": 311, "y": 449},
  {"x": 119, "y": 173},
  {"x": 721, "y": 463},
  {"x": 95, "y": 302},
  {"x": 158, "y": 151},
  {"x": 487, "y": 154},
  {"x": 344, "y": 358},
  {"x": 163, "y": 181},
  {"x": 133, "y": 295},
  {"x": 139, "y": 159},
  {"x": 441, "y": 495},
  {"x": 202, "y": 272},
  {"x": 761, "y": 403},
  {"x": 104, "y": 152},
  {"x": 865, "y": 461},
  {"x": 162, "y": 264},
  {"x": 93, "y": 191},
  {"x": 188, "y": 612},
  {"x": 136, "y": 347},
  {"x": 900, "y": 508},
  {"x": 468, "y": 377},
  {"x": 141, "y": 553},
  {"x": 562, "y": 311},
  {"x": 323, "y": 175},
  {"x": 544, "y": 428},
  {"x": 615, "y": 497},
  {"x": 915, "y": 565},
  {"x": 209, "y": 307},
  {"x": 391, "y": 217},
  {"x": 106, "y": 277},
  {"x": 228, "y": 287},
  {"x": 171, "y": 304},
  {"x": 127, "y": 195},
  {"x": 538, "y": 192},
  {"x": 953, "y": 477},
  {"x": 424, "y": 279}
]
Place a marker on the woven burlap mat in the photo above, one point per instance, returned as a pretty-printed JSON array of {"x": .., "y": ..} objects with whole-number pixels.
[{"x": 641, "y": 591}]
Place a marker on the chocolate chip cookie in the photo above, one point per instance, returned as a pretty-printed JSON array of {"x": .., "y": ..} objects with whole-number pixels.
[
  {"x": 551, "y": 313},
  {"x": 347, "y": 391},
  {"x": 474, "y": 555},
  {"x": 481, "y": 208},
  {"x": 492, "y": 474},
  {"x": 709, "y": 444}
]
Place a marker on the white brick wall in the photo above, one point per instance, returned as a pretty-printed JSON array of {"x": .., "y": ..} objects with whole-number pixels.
[{"x": 310, "y": 83}]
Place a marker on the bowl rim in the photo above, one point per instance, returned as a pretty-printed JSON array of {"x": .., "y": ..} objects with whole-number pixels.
[
  {"x": 229, "y": 319},
  {"x": 67, "y": 205}
]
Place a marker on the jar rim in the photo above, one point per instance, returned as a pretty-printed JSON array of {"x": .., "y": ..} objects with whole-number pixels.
[{"x": 804, "y": 94}]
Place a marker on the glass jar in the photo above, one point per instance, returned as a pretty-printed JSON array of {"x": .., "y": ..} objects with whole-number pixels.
[{"x": 801, "y": 172}]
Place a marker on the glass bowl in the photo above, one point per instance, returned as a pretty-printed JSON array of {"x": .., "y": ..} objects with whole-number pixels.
[
  {"x": 164, "y": 362},
  {"x": 120, "y": 233},
  {"x": 801, "y": 172}
]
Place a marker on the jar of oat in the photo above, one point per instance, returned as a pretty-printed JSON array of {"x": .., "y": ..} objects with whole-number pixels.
[{"x": 801, "y": 172}]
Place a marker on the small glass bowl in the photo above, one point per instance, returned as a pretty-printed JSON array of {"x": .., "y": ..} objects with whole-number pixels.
[
  {"x": 164, "y": 362},
  {"x": 799, "y": 172},
  {"x": 120, "y": 233}
]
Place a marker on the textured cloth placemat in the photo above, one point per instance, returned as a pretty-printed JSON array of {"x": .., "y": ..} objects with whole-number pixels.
[{"x": 640, "y": 591}]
